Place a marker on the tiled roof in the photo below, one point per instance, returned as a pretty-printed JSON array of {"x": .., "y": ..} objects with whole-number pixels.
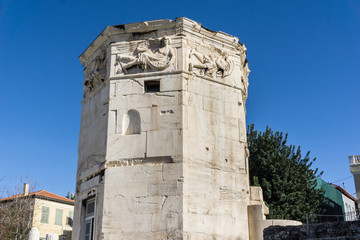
[
  {"x": 343, "y": 191},
  {"x": 42, "y": 194}
]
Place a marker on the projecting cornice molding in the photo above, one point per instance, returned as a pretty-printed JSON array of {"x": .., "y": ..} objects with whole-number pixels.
[{"x": 165, "y": 46}]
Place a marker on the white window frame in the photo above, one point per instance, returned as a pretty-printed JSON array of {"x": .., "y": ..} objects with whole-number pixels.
[
  {"x": 45, "y": 218},
  {"x": 89, "y": 219}
]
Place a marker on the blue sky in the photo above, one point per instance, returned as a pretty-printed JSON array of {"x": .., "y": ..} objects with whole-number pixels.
[{"x": 304, "y": 80}]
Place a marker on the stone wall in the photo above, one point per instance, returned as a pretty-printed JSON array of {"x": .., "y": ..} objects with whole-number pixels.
[
  {"x": 337, "y": 230},
  {"x": 162, "y": 147}
]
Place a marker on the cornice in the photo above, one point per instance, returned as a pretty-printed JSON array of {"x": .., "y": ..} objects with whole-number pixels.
[{"x": 181, "y": 25}]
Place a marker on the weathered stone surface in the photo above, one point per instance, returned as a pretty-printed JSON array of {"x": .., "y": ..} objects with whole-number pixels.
[
  {"x": 349, "y": 230},
  {"x": 282, "y": 232},
  {"x": 162, "y": 146}
]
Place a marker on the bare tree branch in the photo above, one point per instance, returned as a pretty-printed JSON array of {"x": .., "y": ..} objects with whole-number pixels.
[{"x": 17, "y": 213}]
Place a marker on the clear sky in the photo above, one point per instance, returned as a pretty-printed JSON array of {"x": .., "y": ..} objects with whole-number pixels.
[{"x": 304, "y": 80}]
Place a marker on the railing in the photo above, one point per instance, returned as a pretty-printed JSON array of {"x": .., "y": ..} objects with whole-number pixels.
[
  {"x": 354, "y": 159},
  {"x": 319, "y": 218}
]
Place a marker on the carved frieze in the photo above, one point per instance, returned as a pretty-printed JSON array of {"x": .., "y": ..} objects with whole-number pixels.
[
  {"x": 245, "y": 80},
  {"x": 149, "y": 55},
  {"x": 95, "y": 73},
  {"x": 210, "y": 62},
  {"x": 245, "y": 71}
]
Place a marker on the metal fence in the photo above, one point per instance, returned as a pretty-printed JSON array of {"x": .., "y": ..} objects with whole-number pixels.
[{"x": 318, "y": 218}]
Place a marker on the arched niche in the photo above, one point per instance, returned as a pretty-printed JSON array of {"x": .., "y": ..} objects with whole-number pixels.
[{"x": 131, "y": 123}]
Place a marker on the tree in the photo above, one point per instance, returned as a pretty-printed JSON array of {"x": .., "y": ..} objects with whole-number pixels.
[
  {"x": 287, "y": 180},
  {"x": 16, "y": 215}
]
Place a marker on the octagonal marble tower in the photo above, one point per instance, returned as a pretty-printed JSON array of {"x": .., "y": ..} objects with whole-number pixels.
[{"x": 162, "y": 149}]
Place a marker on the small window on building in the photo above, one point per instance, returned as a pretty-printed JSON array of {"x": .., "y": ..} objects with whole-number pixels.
[
  {"x": 152, "y": 86},
  {"x": 89, "y": 219},
  {"x": 90, "y": 208},
  {"x": 89, "y": 228},
  {"x": 45, "y": 214},
  {"x": 58, "y": 217}
]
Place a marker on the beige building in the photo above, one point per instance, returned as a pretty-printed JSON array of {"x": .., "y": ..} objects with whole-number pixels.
[
  {"x": 52, "y": 213},
  {"x": 349, "y": 202}
]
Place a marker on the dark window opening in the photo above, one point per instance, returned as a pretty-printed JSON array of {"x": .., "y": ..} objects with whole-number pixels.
[{"x": 152, "y": 86}]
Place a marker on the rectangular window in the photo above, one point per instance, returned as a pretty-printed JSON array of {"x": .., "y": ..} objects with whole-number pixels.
[
  {"x": 90, "y": 208},
  {"x": 45, "y": 214},
  {"x": 89, "y": 229},
  {"x": 89, "y": 219},
  {"x": 58, "y": 217},
  {"x": 152, "y": 86}
]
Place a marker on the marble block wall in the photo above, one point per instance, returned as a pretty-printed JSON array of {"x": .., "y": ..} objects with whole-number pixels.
[{"x": 162, "y": 147}]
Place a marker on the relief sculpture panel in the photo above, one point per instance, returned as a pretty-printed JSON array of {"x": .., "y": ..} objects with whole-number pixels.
[
  {"x": 245, "y": 80},
  {"x": 149, "y": 55},
  {"x": 95, "y": 73},
  {"x": 210, "y": 62},
  {"x": 245, "y": 72}
]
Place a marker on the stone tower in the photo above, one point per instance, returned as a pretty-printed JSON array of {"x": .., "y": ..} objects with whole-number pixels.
[{"x": 162, "y": 149}]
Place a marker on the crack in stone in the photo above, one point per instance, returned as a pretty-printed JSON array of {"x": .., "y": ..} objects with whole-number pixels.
[
  {"x": 138, "y": 82},
  {"x": 163, "y": 203}
]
